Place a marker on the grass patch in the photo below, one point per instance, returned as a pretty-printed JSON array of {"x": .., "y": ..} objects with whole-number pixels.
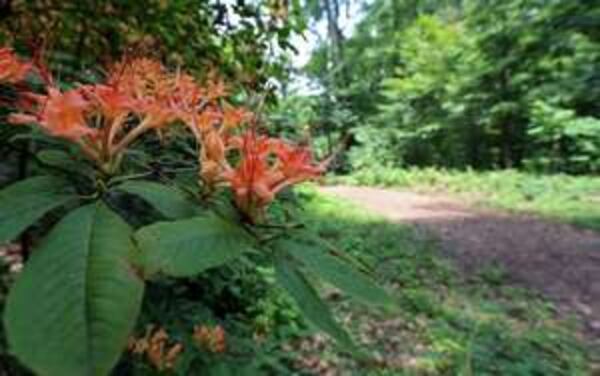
[
  {"x": 447, "y": 325},
  {"x": 565, "y": 198}
]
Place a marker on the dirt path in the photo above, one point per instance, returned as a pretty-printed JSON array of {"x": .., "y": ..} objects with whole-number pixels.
[{"x": 559, "y": 261}]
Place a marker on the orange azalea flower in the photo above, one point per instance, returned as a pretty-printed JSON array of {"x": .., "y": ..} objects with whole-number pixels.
[
  {"x": 149, "y": 86},
  {"x": 153, "y": 96},
  {"x": 211, "y": 339},
  {"x": 11, "y": 69},
  {"x": 251, "y": 144},
  {"x": 139, "y": 77},
  {"x": 156, "y": 113},
  {"x": 114, "y": 105},
  {"x": 232, "y": 117},
  {"x": 112, "y": 102},
  {"x": 295, "y": 163},
  {"x": 62, "y": 114},
  {"x": 256, "y": 179},
  {"x": 251, "y": 183},
  {"x": 210, "y": 173},
  {"x": 186, "y": 92},
  {"x": 207, "y": 119},
  {"x": 213, "y": 146},
  {"x": 155, "y": 346},
  {"x": 212, "y": 158},
  {"x": 216, "y": 89}
]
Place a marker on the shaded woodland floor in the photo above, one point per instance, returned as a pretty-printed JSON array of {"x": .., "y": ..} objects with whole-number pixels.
[{"x": 558, "y": 261}]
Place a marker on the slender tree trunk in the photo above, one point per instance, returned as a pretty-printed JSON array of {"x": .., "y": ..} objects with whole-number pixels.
[
  {"x": 336, "y": 40},
  {"x": 507, "y": 158}
]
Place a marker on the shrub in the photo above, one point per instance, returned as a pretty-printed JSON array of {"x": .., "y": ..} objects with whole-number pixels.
[{"x": 72, "y": 309}]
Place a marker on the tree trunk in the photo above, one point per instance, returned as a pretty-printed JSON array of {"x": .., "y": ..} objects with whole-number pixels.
[{"x": 336, "y": 40}]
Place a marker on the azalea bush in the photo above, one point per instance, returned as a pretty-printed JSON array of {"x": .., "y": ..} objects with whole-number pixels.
[{"x": 72, "y": 308}]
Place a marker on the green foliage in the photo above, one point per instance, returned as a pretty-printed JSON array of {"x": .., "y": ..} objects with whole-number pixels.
[
  {"x": 169, "y": 201},
  {"x": 293, "y": 115},
  {"x": 91, "y": 273},
  {"x": 563, "y": 141},
  {"x": 24, "y": 203},
  {"x": 435, "y": 54},
  {"x": 378, "y": 146},
  {"x": 309, "y": 302},
  {"x": 88, "y": 272},
  {"x": 337, "y": 272},
  {"x": 452, "y": 83},
  {"x": 187, "y": 247},
  {"x": 455, "y": 327},
  {"x": 460, "y": 84},
  {"x": 61, "y": 160},
  {"x": 87, "y": 275},
  {"x": 235, "y": 38},
  {"x": 242, "y": 298},
  {"x": 72, "y": 308}
]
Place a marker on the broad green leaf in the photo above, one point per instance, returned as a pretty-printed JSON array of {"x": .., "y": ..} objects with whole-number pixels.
[
  {"x": 23, "y": 203},
  {"x": 170, "y": 202},
  {"x": 62, "y": 160},
  {"x": 189, "y": 246},
  {"x": 338, "y": 272},
  {"x": 71, "y": 310},
  {"x": 309, "y": 302},
  {"x": 56, "y": 158}
]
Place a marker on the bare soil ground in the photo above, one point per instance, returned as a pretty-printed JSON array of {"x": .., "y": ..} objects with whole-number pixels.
[{"x": 559, "y": 261}]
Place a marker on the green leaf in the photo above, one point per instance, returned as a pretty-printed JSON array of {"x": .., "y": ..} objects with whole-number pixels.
[
  {"x": 188, "y": 247},
  {"x": 309, "y": 302},
  {"x": 338, "y": 272},
  {"x": 72, "y": 308},
  {"x": 62, "y": 160},
  {"x": 170, "y": 202},
  {"x": 23, "y": 203}
]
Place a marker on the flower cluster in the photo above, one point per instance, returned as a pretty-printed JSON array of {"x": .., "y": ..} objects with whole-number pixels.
[
  {"x": 137, "y": 96},
  {"x": 210, "y": 339},
  {"x": 155, "y": 345},
  {"x": 266, "y": 166},
  {"x": 12, "y": 70},
  {"x": 141, "y": 95}
]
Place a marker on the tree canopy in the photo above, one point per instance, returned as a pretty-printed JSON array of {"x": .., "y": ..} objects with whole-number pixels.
[{"x": 482, "y": 84}]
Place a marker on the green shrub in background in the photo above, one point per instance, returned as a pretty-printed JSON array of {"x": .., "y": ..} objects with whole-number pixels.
[
  {"x": 237, "y": 38},
  {"x": 563, "y": 141},
  {"x": 458, "y": 84}
]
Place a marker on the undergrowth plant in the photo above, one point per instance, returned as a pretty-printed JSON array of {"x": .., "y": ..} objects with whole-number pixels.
[{"x": 72, "y": 308}]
